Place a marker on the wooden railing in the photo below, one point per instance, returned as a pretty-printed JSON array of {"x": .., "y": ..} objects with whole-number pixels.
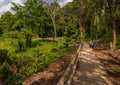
[{"x": 66, "y": 79}]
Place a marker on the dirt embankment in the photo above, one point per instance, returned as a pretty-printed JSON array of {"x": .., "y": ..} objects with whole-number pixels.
[
  {"x": 111, "y": 61},
  {"x": 51, "y": 74}
]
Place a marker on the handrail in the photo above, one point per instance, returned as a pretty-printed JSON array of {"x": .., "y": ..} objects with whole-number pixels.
[{"x": 67, "y": 76}]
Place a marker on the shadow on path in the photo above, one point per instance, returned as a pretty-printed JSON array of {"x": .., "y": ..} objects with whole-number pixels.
[{"x": 90, "y": 71}]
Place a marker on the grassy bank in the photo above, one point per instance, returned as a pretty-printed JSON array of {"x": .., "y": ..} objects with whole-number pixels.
[{"x": 16, "y": 65}]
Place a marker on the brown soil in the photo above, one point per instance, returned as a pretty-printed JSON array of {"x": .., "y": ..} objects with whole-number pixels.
[
  {"x": 111, "y": 61},
  {"x": 53, "y": 72}
]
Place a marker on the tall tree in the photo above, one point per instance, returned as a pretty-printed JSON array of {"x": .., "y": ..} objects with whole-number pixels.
[
  {"x": 114, "y": 23},
  {"x": 51, "y": 10},
  {"x": 7, "y": 20}
]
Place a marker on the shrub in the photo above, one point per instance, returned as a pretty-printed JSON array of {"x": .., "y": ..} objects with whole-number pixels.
[
  {"x": 54, "y": 50},
  {"x": 4, "y": 56},
  {"x": 5, "y": 71}
]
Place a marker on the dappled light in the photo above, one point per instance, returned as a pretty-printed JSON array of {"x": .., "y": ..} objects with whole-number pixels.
[
  {"x": 60, "y": 42},
  {"x": 90, "y": 70}
]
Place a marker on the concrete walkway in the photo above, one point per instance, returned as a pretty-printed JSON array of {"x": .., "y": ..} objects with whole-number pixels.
[{"x": 90, "y": 71}]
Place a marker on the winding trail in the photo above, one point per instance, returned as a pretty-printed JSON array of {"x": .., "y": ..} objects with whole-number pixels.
[{"x": 90, "y": 71}]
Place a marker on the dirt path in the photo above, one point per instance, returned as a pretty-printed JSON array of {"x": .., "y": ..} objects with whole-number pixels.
[{"x": 90, "y": 71}]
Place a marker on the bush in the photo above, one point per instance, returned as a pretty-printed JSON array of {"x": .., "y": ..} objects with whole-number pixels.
[
  {"x": 5, "y": 71},
  {"x": 17, "y": 66},
  {"x": 4, "y": 56},
  {"x": 54, "y": 50},
  {"x": 14, "y": 80}
]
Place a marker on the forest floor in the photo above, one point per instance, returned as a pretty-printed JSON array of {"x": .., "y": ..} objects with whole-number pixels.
[
  {"x": 111, "y": 61},
  {"x": 52, "y": 74}
]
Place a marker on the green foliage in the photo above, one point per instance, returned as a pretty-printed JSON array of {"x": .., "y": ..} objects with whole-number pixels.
[
  {"x": 17, "y": 25},
  {"x": 5, "y": 71},
  {"x": 22, "y": 64},
  {"x": 23, "y": 49},
  {"x": 3, "y": 56},
  {"x": 71, "y": 29},
  {"x": 118, "y": 43},
  {"x": 5, "y": 25}
]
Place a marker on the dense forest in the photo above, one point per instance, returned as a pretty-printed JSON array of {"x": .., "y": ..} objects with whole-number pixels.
[{"x": 39, "y": 31}]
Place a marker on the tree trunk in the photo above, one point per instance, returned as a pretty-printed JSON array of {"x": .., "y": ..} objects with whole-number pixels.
[
  {"x": 114, "y": 24},
  {"x": 106, "y": 27},
  {"x": 96, "y": 28},
  {"x": 114, "y": 31},
  {"x": 81, "y": 32},
  {"x": 96, "y": 34},
  {"x": 54, "y": 26},
  {"x": 91, "y": 29}
]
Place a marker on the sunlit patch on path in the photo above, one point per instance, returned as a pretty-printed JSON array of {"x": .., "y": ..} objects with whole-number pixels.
[{"x": 90, "y": 71}]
